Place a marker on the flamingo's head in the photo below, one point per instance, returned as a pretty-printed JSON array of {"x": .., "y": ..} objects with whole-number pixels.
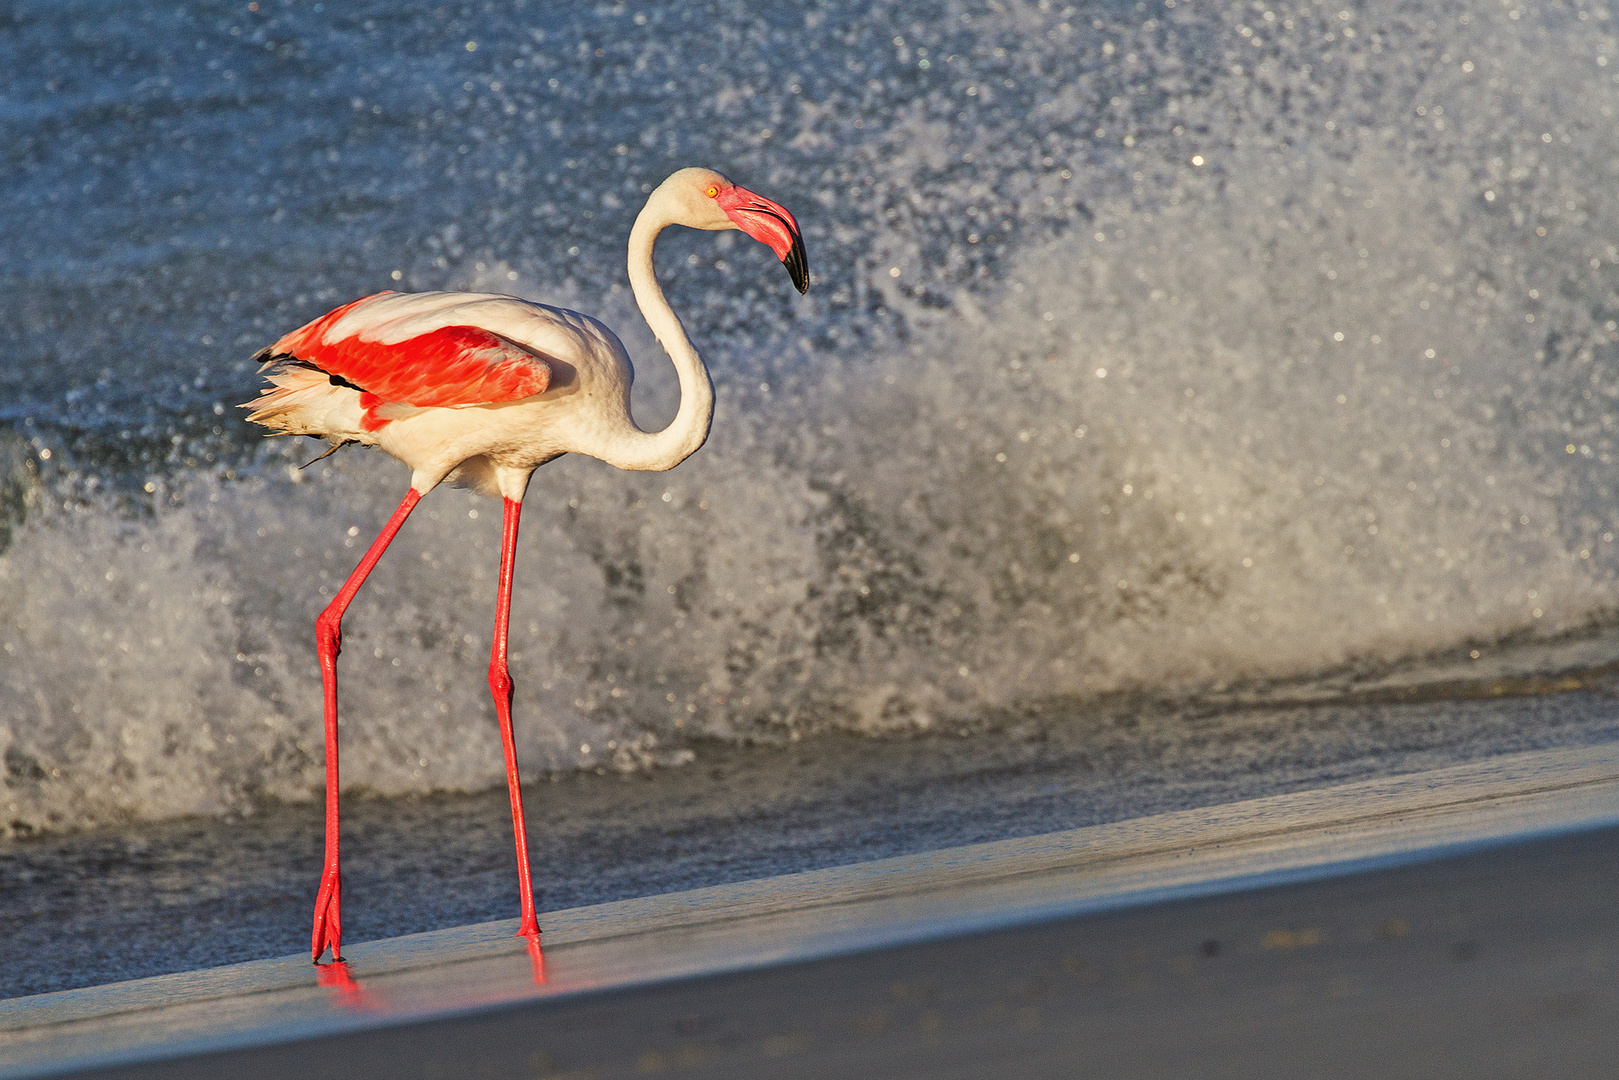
[{"x": 706, "y": 199}]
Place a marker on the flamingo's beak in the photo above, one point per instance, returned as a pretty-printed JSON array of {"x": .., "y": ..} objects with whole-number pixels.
[{"x": 769, "y": 223}]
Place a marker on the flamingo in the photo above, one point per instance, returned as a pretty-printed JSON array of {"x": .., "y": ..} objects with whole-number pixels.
[{"x": 481, "y": 390}]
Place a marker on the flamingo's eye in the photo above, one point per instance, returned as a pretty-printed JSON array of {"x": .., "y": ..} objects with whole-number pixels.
[{"x": 712, "y": 192}]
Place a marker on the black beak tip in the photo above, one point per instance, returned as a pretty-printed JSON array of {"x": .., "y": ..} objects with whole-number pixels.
[{"x": 797, "y": 265}]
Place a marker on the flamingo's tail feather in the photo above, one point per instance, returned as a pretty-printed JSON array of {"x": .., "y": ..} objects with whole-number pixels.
[{"x": 304, "y": 400}]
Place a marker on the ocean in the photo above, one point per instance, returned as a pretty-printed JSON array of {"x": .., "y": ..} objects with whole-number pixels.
[{"x": 1191, "y": 401}]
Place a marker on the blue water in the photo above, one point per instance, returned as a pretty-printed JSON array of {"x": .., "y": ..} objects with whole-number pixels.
[{"x": 1154, "y": 353}]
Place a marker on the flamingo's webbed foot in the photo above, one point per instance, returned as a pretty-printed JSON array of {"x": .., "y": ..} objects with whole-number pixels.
[{"x": 328, "y": 919}]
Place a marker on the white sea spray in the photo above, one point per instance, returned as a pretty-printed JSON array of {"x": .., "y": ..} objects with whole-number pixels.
[{"x": 1231, "y": 348}]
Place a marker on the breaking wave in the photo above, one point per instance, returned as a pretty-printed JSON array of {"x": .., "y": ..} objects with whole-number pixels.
[{"x": 1148, "y": 355}]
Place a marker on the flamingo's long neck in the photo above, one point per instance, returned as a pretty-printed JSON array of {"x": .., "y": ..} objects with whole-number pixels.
[{"x": 689, "y": 429}]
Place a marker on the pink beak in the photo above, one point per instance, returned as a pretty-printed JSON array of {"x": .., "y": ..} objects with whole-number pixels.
[{"x": 769, "y": 223}]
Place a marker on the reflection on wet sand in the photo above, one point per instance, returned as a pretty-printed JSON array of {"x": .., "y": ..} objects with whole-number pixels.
[
  {"x": 536, "y": 956},
  {"x": 346, "y": 991}
]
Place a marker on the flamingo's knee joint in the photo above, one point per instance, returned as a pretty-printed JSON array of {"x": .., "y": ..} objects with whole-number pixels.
[
  {"x": 500, "y": 682},
  {"x": 328, "y": 631}
]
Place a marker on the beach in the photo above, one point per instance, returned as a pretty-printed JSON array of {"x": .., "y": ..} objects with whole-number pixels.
[{"x": 1430, "y": 924}]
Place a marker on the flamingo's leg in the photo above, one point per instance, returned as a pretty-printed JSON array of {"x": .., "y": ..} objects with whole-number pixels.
[
  {"x": 328, "y": 637},
  {"x": 500, "y": 685}
]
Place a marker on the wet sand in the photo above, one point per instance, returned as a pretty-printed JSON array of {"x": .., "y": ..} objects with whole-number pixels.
[
  {"x": 1456, "y": 922},
  {"x": 1498, "y": 964}
]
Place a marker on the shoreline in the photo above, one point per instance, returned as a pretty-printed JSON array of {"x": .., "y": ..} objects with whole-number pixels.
[{"x": 756, "y": 925}]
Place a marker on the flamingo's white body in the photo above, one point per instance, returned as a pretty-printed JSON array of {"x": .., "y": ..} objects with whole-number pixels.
[
  {"x": 492, "y": 446},
  {"x": 483, "y": 390}
]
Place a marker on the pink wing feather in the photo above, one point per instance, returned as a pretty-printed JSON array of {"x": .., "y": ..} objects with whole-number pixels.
[{"x": 449, "y": 366}]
